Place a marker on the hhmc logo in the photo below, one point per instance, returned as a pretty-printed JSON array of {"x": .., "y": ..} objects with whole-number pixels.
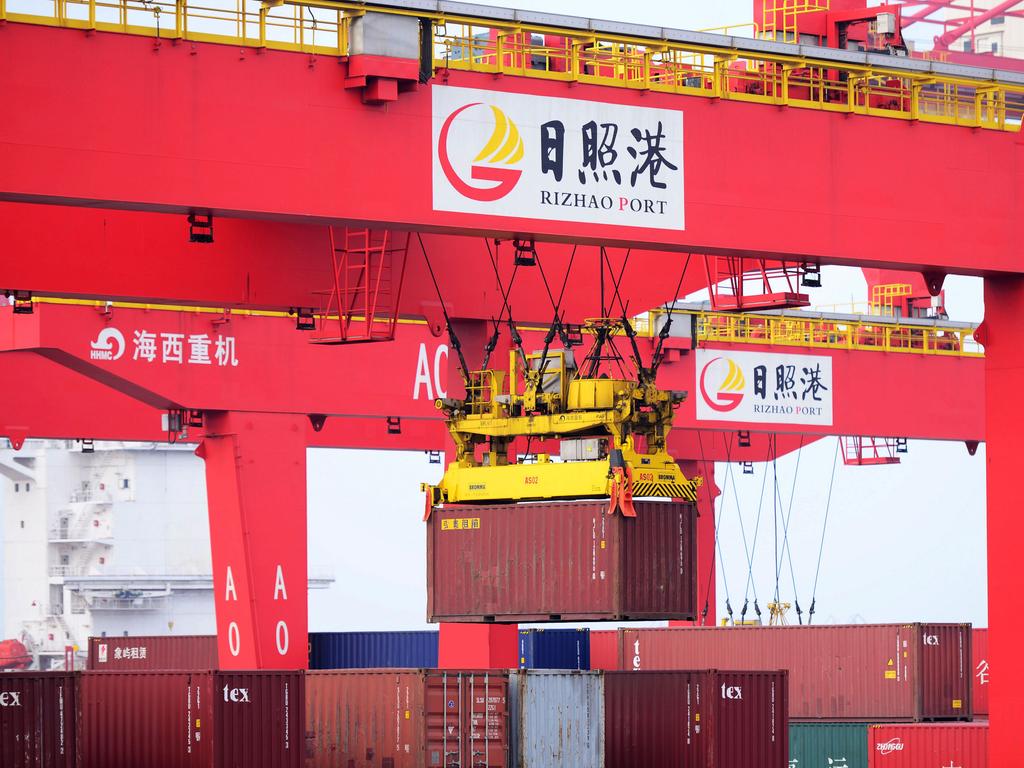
[
  {"x": 504, "y": 148},
  {"x": 109, "y": 340},
  {"x": 729, "y": 392}
]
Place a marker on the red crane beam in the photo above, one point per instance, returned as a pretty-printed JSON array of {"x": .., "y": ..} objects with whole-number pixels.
[{"x": 188, "y": 150}]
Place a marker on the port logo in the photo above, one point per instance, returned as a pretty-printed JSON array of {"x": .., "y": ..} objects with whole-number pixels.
[
  {"x": 890, "y": 746},
  {"x": 10, "y": 698},
  {"x": 493, "y": 163},
  {"x": 555, "y": 159},
  {"x": 728, "y": 393},
  {"x": 763, "y": 387},
  {"x": 109, "y": 345}
]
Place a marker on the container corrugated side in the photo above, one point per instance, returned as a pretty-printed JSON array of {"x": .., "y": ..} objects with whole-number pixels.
[
  {"x": 133, "y": 719},
  {"x": 604, "y": 649},
  {"x": 259, "y": 719},
  {"x": 192, "y": 719},
  {"x": 153, "y": 653},
  {"x": 929, "y": 745},
  {"x": 863, "y": 672},
  {"x": 557, "y": 719},
  {"x": 406, "y": 718},
  {"x": 366, "y": 650},
  {"x": 828, "y": 744},
  {"x": 946, "y": 672},
  {"x": 554, "y": 649},
  {"x": 556, "y": 561},
  {"x": 696, "y": 718},
  {"x": 38, "y": 719},
  {"x": 979, "y": 665}
]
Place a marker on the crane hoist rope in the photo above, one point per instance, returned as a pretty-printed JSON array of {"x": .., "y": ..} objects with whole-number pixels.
[{"x": 824, "y": 528}]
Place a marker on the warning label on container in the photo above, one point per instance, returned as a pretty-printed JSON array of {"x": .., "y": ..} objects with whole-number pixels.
[{"x": 460, "y": 524}]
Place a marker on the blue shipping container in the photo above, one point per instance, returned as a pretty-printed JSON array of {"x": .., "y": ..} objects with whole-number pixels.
[
  {"x": 554, "y": 649},
  {"x": 368, "y": 650}
]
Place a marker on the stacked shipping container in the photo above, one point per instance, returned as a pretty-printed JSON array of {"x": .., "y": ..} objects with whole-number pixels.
[
  {"x": 366, "y": 650},
  {"x": 406, "y": 719},
  {"x": 552, "y": 561},
  {"x": 881, "y": 672},
  {"x": 554, "y": 649},
  {"x": 152, "y": 653},
  {"x": 928, "y": 745},
  {"x": 38, "y": 715},
  {"x": 557, "y": 719},
  {"x": 715, "y": 718},
  {"x": 979, "y": 692},
  {"x": 191, "y": 719}
]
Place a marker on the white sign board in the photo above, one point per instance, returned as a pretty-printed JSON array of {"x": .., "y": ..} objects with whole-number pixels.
[
  {"x": 510, "y": 154},
  {"x": 764, "y": 387}
]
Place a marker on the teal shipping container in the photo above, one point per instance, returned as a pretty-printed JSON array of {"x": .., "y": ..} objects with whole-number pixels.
[{"x": 828, "y": 745}]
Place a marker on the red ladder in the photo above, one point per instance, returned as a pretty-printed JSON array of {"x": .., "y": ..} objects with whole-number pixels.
[{"x": 362, "y": 305}]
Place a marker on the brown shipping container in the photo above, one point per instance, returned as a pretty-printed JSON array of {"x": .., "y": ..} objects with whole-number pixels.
[
  {"x": 156, "y": 653},
  {"x": 192, "y": 719},
  {"x": 571, "y": 561},
  {"x": 979, "y": 691},
  {"x": 406, "y": 718},
  {"x": 38, "y": 715},
  {"x": 706, "y": 719},
  {"x": 887, "y": 672}
]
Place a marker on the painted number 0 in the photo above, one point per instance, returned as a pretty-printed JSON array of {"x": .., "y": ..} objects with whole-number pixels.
[
  {"x": 234, "y": 640},
  {"x": 282, "y": 638}
]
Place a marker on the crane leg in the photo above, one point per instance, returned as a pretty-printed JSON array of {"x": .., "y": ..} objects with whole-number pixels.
[
  {"x": 256, "y": 488},
  {"x": 1003, "y": 336}
]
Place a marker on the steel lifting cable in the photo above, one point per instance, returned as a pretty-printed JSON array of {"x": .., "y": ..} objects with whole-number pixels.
[
  {"x": 513, "y": 332},
  {"x": 748, "y": 552},
  {"x": 456, "y": 345},
  {"x": 757, "y": 530},
  {"x": 824, "y": 527},
  {"x": 787, "y": 550},
  {"x": 667, "y": 327},
  {"x": 718, "y": 545}
]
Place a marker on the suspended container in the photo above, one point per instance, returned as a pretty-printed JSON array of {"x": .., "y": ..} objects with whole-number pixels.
[
  {"x": 554, "y": 649},
  {"x": 192, "y": 719},
  {"x": 366, "y": 650},
  {"x": 561, "y": 561},
  {"x": 38, "y": 712},
  {"x": 152, "y": 653},
  {"x": 557, "y": 719},
  {"x": 979, "y": 656},
  {"x": 929, "y": 745},
  {"x": 839, "y": 745},
  {"x": 406, "y": 719},
  {"x": 706, "y": 719},
  {"x": 862, "y": 672}
]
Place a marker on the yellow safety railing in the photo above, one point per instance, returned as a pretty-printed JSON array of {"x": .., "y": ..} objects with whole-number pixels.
[
  {"x": 884, "y": 298},
  {"x": 823, "y": 333},
  {"x": 780, "y": 18},
  {"x": 554, "y": 53}
]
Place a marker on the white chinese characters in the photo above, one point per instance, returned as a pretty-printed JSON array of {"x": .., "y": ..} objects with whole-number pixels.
[
  {"x": 184, "y": 349},
  {"x": 133, "y": 652}
]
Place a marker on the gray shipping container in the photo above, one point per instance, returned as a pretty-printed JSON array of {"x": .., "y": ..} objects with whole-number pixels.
[{"x": 558, "y": 719}]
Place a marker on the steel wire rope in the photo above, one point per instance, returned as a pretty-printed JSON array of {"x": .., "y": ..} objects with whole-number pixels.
[
  {"x": 824, "y": 527},
  {"x": 751, "y": 584},
  {"x": 787, "y": 549},
  {"x": 505, "y": 306},
  {"x": 452, "y": 337},
  {"x": 718, "y": 546}
]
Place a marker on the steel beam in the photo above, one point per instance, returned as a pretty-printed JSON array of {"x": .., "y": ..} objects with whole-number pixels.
[{"x": 801, "y": 190}]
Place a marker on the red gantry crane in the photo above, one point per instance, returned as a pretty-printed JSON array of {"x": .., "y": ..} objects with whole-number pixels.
[{"x": 480, "y": 123}]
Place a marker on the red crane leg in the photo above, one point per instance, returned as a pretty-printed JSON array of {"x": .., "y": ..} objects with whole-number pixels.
[
  {"x": 478, "y": 646},
  {"x": 256, "y": 490},
  {"x": 1004, "y": 381}
]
